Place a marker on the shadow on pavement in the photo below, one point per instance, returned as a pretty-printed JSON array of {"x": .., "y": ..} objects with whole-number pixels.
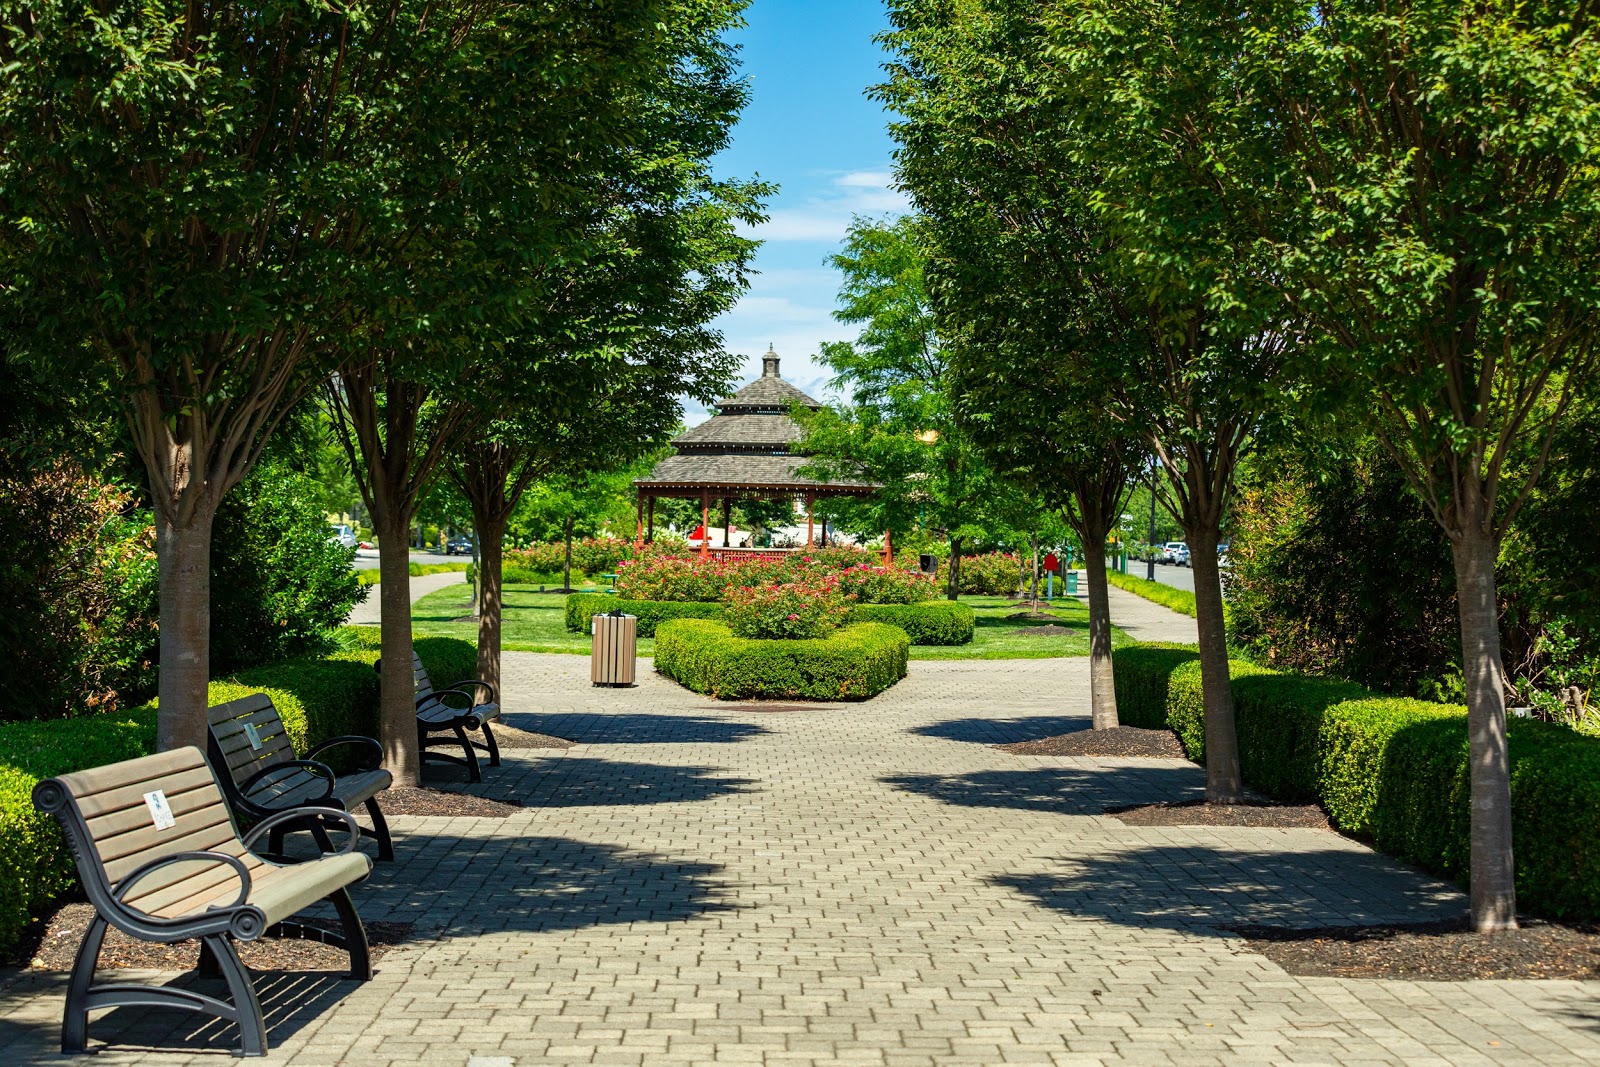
[
  {"x": 453, "y": 886},
  {"x": 1065, "y": 790},
  {"x": 582, "y": 781},
  {"x": 1205, "y": 889},
  {"x": 1004, "y": 731},
  {"x": 289, "y": 1000},
  {"x": 636, "y": 729}
]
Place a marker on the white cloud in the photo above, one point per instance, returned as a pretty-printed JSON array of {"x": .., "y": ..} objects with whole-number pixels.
[{"x": 826, "y": 215}]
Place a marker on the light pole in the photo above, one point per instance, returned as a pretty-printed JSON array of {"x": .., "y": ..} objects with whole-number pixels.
[{"x": 1150, "y": 565}]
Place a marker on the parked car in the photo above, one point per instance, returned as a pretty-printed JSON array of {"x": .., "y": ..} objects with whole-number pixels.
[
  {"x": 1169, "y": 551},
  {"x": 1222, "y": 553},
  {"x": 342, "y": 534},
  {"x": 1180, "y": 555},
  {"x": 458, "y": 545}
]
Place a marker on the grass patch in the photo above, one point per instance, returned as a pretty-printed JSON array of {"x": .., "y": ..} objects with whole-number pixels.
[
  {"x": 1179, "y": 600},
  {"x": 531, "y": 621}
]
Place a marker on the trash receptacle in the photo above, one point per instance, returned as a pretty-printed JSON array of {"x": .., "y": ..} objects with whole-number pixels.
[
  {"x": 616, "y": 649},
  {"x": 927, "y": 563},
  {"x": 1072, "y": 583}
]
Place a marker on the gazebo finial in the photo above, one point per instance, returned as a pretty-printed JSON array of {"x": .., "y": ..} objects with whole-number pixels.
[{"x": 769, "y": 362}]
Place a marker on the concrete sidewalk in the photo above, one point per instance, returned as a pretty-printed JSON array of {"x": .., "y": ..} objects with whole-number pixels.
[{"x": 368, "y": 613}]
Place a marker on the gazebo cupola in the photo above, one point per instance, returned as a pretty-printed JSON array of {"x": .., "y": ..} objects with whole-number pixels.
[{"x": 746, "y": 450}]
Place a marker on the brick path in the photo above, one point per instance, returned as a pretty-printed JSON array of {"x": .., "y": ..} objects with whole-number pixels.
[{"x": 872, "y": 884}]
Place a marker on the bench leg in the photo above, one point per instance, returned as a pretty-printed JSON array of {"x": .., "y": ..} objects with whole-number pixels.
[
  {"x": 208, "y": 967},
  {"x": 247, "y": 1008},
  {"x": 473, "y": 774},
  {"x": 355, "y": 935},
  {"x": 494, "y": 749},
  {"x": 75, "y": 1020},
  {"x": 380, "y": 830}
]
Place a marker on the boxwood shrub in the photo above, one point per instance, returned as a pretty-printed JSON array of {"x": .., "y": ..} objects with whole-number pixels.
[
  {"x": 855, "y": 662},
  {"x": 581, "y": 607},
  {"x": 1390, "y": 769},
  {"x": 317, "y": 698},
  {"x": 932, "y": 622}
]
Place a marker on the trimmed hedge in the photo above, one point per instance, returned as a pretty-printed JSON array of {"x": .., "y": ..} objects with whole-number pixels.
[
  {"x": 318, "y": 699},
  {"x": 581, "y": 607},
  {"x": 931, "y": 622},
  {"x": 1391, "y": 769},
  {"x": 854, "y": 663}
]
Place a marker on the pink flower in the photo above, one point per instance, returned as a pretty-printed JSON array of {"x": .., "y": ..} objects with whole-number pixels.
[{"x": 793, "y": 617}]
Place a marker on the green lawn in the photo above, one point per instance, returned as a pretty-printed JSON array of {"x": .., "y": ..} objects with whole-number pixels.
[{"x": 536, "y": 622}]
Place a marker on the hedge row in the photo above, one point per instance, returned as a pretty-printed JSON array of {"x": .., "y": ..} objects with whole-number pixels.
[
  {"x": 1391, "y": 769},
  {"x": 854, "y": 663},
  {"x": 931, "y": 622},
  {"x": 318, "y": 699}
]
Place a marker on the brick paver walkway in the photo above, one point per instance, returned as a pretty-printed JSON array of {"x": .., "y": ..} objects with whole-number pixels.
[{"x": 870, "y": 884}]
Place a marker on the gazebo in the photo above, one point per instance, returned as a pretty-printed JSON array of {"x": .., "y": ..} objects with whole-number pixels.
[{"x": 743, "y": 452}]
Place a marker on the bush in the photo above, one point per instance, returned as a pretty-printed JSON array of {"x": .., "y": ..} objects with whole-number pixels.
[
  {"x": 684, "y": 579},
  {"x": 279, "y": 587},
  {"x": 989, "y": 574},
  {"x": 1179, "y": 600},
  {"x": 1392, "y": 769},
  {"x": 581, "y": 607},
  {"x": 78, "y": 598},
  {"x": 785, "y": 610},
  {"x": 855, "y": 663},
  {"x": 371, "y": 575},
  {"x": 937, "y": 622}
]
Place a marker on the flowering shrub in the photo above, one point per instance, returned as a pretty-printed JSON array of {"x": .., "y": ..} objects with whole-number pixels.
[
  {"x": 991, "y": 574},
  {"x": 856, "y": 572},
  {"x": 785, "y": 609},
  {"x": 873, "y": 583}
]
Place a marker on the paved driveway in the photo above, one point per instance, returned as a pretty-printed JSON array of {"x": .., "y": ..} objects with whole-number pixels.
[{"x": 867, "y": 884}]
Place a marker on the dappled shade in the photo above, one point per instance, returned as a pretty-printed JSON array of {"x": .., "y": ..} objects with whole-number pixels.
[
  {"x": 1064, "y": 790},
  {"x": 622, "y": 728},
  {"x": 1004, "y": 731}
]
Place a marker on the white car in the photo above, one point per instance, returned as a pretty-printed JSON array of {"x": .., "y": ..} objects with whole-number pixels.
[
  {"x": 1170, "y": 551},
  {"x": 342, "y": 534}
]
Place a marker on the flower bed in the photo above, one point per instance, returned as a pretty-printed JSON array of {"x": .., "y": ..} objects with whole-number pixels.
[
  {"x": 1391, "y": 769},
  {"x": 856, "y": 662},
  {"x": 680, "y": 579}
]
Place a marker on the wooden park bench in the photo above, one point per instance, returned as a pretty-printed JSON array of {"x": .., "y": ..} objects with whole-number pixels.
[
  {"x": 439, "y": 725},
  {"x": 160, "y": 859},
  {"x": 262, "y": 775}
]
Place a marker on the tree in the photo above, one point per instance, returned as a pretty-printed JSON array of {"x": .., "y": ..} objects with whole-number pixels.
[
  {"x": 900, "y": 426},
  {"x": 178, "y": 182},
  {"x": 1072, "y": 127},
  {"x": 1442, "y": 244}
]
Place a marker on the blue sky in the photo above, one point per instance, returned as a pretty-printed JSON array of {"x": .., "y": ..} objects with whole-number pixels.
[{"x": 810, "y": 128}]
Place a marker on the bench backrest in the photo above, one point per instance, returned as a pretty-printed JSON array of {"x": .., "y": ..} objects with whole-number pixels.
[
  {"x": 247, "y": 737},
  {"x": 113, "y": 828},
  {"x": 419, "y": 675}
]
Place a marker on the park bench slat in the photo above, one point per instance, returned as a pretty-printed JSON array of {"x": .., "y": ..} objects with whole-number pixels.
[
  {"x": 229, "y": 728},
  {"x": 441, "y": 725}
]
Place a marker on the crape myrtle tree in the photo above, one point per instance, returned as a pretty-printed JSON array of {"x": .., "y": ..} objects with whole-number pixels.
[
  {"x": 1092, "y": 133},
  {"x": 899, "y": 427},
  {"x": 177, "y": 184},
  {"x": 1446, "y": 161}
]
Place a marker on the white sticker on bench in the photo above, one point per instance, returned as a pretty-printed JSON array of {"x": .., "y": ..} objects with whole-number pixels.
[
  {"x": 254, "y": 735},
  {"x": 160, "y": 810}
]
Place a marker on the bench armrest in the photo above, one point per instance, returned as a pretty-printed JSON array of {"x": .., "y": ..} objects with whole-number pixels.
[
  {"x": 321, "y": 770},
  {"x": 494, "y": 697},
  {"x": 352, "y": 830},
  {"x": 465, "y": 716},
  {"x": 351, "y": 739},
  {"x": 122, "y": 887}
]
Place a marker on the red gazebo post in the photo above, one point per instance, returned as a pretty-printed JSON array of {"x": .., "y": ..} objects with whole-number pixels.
[
  {"x": 705, "y": 523},
  {"x": 888, "y": 550}
]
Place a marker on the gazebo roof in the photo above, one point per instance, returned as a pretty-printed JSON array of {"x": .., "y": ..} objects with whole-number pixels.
[{"x": 745, "y": 447}]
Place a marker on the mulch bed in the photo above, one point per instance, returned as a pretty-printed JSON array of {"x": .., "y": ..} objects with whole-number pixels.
[
  {"x": 1117, "y": 741},
  {"x": 58, "y": 946},
  {"x": 1432, "y": 952},
  {"x": 400, "y": 800},
  {"x": 1034, "y": 616},
  {"x": 511, "y": 737},
  {"x": 1044, "y": 631},
  {"x": 1199, "y": 813}
]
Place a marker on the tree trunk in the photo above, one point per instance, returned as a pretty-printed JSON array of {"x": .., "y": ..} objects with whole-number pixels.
[
  {"x": 183, "y": 557},
  {"x": 1102, "y": 680},
  {"x": 566, "y": 565},
  {"x": 953, "y": 578},
  {"x": 1224, "y": 782},
  {"x": 397, "y": 702},
  {"x": 491, "y": 536},
  {"x": 1493, "y": 874}
]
